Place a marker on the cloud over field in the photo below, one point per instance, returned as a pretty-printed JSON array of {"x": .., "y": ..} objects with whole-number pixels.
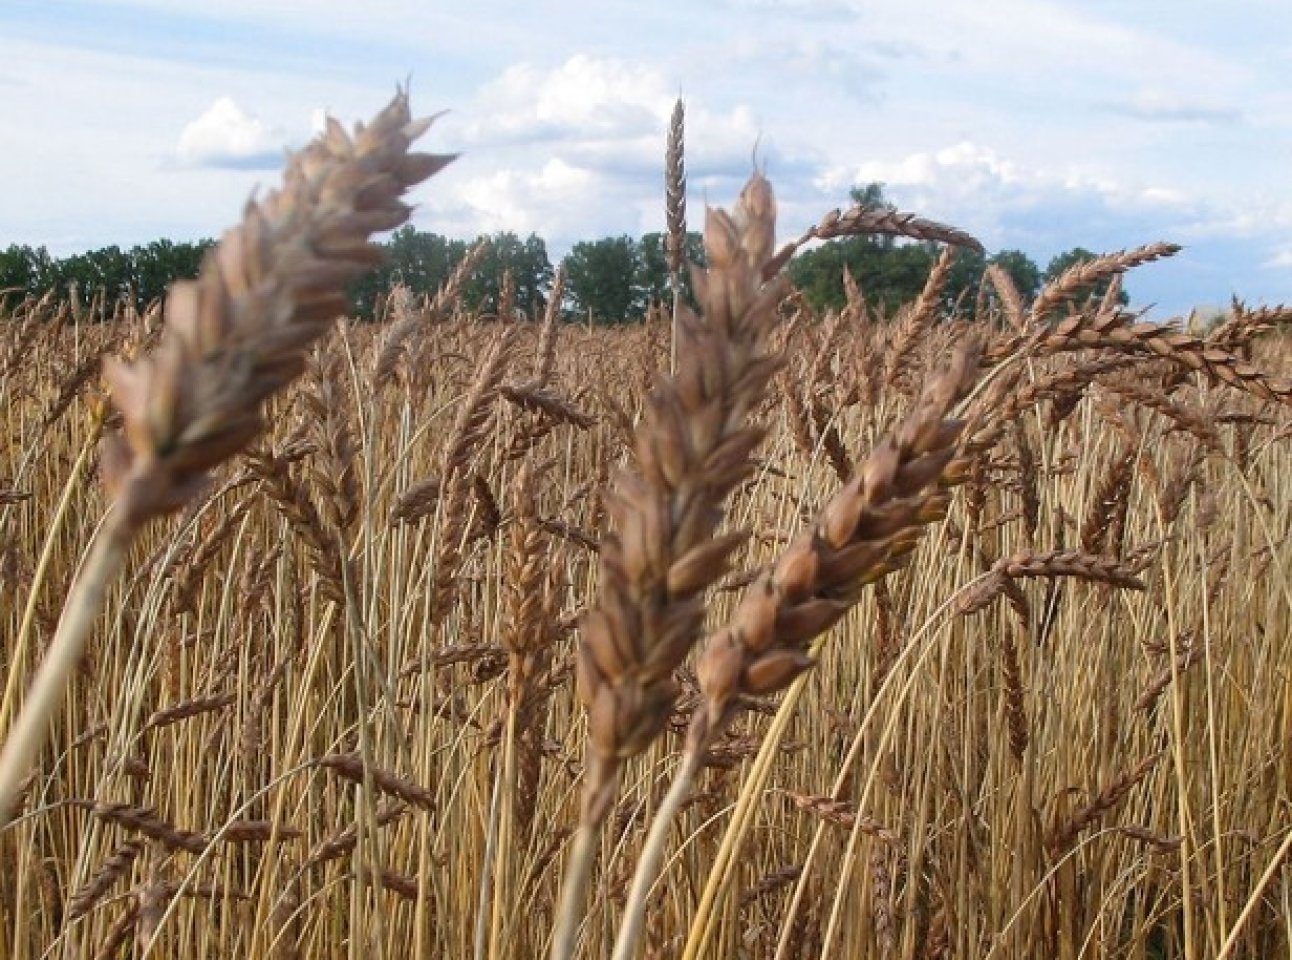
[
  {"x": 576, "y": 150},
  {"x": 225, "y": 135},
  {"x": 1009, "y": 202}
]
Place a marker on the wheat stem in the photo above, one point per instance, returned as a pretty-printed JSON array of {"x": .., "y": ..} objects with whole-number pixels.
[
  {"x": 487, "y": 918},
  {"x": 721, "y": 874},
  {"x": 574, "y": 887},
  {"x": 18, "y": 654},
  {"x": 84, "y": 601},
  {"x": 647, "y": 871},
  {"x": 1256, "y": 899}
]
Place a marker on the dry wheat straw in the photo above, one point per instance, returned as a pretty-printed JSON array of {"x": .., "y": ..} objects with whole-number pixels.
[
  {"x": 145, "y": 820},
  {"x": 351, "y": 767},
  {"x": 1011, "y": 300},
  {"x": 1092, "y": 433},
  {"x": 112, "y": 869},
  {"x": 1081, "y": 277},
  {"x": 865, "y": 532},
  {"x": 693, "y": 448}
]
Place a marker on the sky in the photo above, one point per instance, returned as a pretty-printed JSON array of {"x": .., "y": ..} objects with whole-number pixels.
[{"x": 1037, "y": 125}]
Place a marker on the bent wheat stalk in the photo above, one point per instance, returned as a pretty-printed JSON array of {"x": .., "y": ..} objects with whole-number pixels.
[
  {"x": 867, "y": 531},
  {"x": 234, "y": 336}
]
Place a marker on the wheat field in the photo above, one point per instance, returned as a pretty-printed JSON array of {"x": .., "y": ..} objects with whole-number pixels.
[{"x": 824, "y": 636}]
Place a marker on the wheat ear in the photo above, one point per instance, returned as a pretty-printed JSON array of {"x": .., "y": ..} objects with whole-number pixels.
[
  {"x": 234, "y": 336},
  {"x": 866, "y": 531},
  {"x": 693, "y": 448},
  {"x": 675, "y": 212}
]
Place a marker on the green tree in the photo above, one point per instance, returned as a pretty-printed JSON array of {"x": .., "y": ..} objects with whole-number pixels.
[
  {"x": 889, "y": 274},
  {"x": 108, "y": 269},
  {"x": 419, "y": 260},
  {"x": 892, "y": 272},
  {"x": 530, "y": 268},
  {"x": 601, "y": 280},
  {"x": 969, "y": 267},
  {"x": 963, "y": 280},
  {"x": 156, "y": 265},
  {"x": 145, "y": 271},
  {"x": 872, "y": 195},
  {"x": 818, "y": 274},
  {"x": 24, "y": 271},
  {"x": 653, "y": 276}
]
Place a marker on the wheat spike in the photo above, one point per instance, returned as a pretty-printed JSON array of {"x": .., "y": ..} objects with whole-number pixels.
[
  {"x": 675, "y": 189},
  {"x": 237, "y": 334},
  {"x": 692, "y": 447}
]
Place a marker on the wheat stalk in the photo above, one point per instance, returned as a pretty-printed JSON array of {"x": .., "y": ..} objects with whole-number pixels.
[
  {"x": 693, "y": 447},
  {"x": 864, "y": 220},
  {"x": 866, "y": 531}
]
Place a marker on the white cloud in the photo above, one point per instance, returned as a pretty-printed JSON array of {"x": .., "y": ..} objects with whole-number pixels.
[
  {"x": 1281, "y": 259},
  {"x": 225, "y": 135},
  {"x": 137, "y": 189},
  {"x": 1268, "y": 218},
  {"x": 978, "y": 179},
  {"x": 318, "y": 121},
  {"x": 606, "y": 113},
  {"x": 1158, "y": 107},
  {"x": 813, "y": 8},
  {"x": 576, "y": 151},
  {"x": 523, "y": 202},
  {"x": 1163, "y": 196},
  {"x": 585, "y": 95},
  {"x": 965, "y": 166}
]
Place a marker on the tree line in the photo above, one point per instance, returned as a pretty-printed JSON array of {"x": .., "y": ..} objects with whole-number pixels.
[
  {"x": 611, "y": 280},
  {"x": 142, "y": 272}
]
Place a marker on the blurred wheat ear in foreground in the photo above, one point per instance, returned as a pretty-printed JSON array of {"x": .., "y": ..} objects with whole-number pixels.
[{"x": 234, "y": 336}]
